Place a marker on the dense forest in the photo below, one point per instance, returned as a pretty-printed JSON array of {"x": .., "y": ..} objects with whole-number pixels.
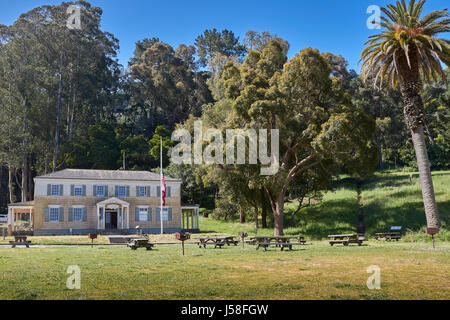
[{"x": 66, "y": 102}]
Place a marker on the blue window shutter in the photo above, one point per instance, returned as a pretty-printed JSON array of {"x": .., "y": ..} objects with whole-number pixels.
[
  {"x": 61, "y": 189},
  {"x": 106, "y": 191},
  {"x": 136, "y": 214},
  {"x": 170, "y": 214},
  {"x": 46, "y": 214},
  {"x": 70, "y": 214},
  {"x": 149, "y": 214},
  {"x": 101, "y": 213},
  {"x": 84, "y": 190},
  {"x": 148, "y": 191},
  {"x": 158, "y": 191},
  {"x": 137, "y": 191},
  {"x": 158, "y": 214},
  {"x": 84, "y": 214},
  {"x": 72, "y": 190},
  {"x": 128, "y": 191},
  {"x": 61, "y": 214},
  {"x": 49, "y": 189},
  {"x": 116, "y": 191},
  {"x": 94, "y": 191}
]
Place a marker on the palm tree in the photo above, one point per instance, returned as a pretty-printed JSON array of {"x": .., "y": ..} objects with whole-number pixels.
[{"x": 407, "y": 51}]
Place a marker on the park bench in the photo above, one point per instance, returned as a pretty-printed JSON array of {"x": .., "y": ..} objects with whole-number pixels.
[
  {"x": 277, "y": 241},
  {"x": 346, "y": 239},
  {"x": 20, "y": 241},
  {"x": 136, "y": 243},
  {"x": 394, "y": 234},
  {"x": 217, "y": 241}
]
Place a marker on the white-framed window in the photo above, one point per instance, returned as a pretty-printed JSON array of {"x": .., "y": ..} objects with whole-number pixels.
[
  {"x": 78, "y": 191},
  {"x": 143, "y": 214},
  {"x": 100, "y": 192},
  {"x": 122, "y": 191},
  {"x": 55, "y": 190},
  {"x": 142, "y": 191},
  {"x": 54, "y": 214},
  {"x": 78, "y": 214}
]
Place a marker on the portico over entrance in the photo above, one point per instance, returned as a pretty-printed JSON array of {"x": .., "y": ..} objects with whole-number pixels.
[{"x": 113, "y": 213}]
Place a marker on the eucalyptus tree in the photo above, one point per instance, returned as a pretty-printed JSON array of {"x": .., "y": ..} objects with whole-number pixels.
[
  {"x": 318, "y": 125},
  {"x": 406, "y": 53}
]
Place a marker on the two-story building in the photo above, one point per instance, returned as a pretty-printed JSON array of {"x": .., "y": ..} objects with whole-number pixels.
[{"x": 78, "y": 201}]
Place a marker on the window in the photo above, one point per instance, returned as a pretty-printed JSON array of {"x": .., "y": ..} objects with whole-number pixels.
[
  {"x": 143, "y": 214},
  {"x": 55, "y": 190},
  {"x": 122, "y": 191},
  {"x": 142, "y": 192},
  {"x": 77, "y": 214},
  {"x": 54, "y": 214},
  {"x": 100, "y": 192},
  {"x": 78, "y": 191}
]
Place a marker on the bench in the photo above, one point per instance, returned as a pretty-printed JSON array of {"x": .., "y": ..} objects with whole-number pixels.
[
  {"x": 394, "y": 234},
  {"x": 20, "y": 241},
  {"x": 134, "y": 244},
  {"x": 217, "y": 242},
  {"x": 346, "y": 239}
]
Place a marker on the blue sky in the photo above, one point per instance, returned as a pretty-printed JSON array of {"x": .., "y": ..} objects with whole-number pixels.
[{"x": 337, "y": 26}]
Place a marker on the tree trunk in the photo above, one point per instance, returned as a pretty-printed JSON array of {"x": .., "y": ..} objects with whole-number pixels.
[
  {"x": 414, "y": 116},
  {"x": 24, "y": 178},
  {"x": 58, "y": 121},
  {"x": 426, "y": 180},
  {"x": 361, "y": 228},
  {"x": 279, "y": 215},
  {"x": 256, "y": 214},
  {"x": 10, "y": 184},
  {"x": 263, "y": 209},
  {"x": 241, "y": 216}
]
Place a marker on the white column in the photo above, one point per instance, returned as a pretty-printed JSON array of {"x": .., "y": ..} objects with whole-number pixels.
[
  {"x": 128, "y": 217},
  {"x": 198, "y": 219},
  {"x": 31, "y": 217},
  {"x": 9, "y": 216}
]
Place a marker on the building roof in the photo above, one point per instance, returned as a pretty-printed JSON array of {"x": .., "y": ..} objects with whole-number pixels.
[{"x": 87, "y": 174}]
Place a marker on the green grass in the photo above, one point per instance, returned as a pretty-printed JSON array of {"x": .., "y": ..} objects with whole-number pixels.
[{"x": 315, "y": 271}]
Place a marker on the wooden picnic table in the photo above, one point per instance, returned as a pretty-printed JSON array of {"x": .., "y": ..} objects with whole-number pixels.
[
  {"x": 278, "y": 241},
  {"x": 136, "y": 243},
  {"x": 20, "y": 241},
  {"x": 217, "y": 241},
  {"x": 346, "y": 239},
  {"x": 388, "y": 236}
]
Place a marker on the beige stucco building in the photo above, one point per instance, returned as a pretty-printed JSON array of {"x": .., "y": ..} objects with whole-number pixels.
[{"x": 77, "y": 201}]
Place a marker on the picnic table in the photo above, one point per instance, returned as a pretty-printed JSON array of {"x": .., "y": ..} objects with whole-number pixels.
[
  {"x": 20, "y": 241},
  {"x": 278, "y": 241},
  {"x": 217, "y": 241},
  {"x": 388, "y": 236},
  {"x": 346, "y": 239},
  {"x": 135, "y": 243},
  {"x": 394, "y": 234}
]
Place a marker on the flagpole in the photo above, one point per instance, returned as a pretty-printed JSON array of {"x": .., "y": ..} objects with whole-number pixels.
[{"x": 160, "y": 189}]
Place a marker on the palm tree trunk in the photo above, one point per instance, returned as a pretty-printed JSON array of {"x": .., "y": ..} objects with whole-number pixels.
[
  {"x": 414, "y": 116},
  {"x": 426, "y": 180}
]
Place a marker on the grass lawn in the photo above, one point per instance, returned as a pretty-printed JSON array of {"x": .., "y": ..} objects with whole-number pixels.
[{"x": 317, "y": 271}]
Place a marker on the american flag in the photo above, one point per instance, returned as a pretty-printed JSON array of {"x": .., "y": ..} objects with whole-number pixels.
[{"x": 163, "y": 188}]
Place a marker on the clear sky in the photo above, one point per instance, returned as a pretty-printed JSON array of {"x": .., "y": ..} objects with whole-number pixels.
[{"x": 337, "y": 26}]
